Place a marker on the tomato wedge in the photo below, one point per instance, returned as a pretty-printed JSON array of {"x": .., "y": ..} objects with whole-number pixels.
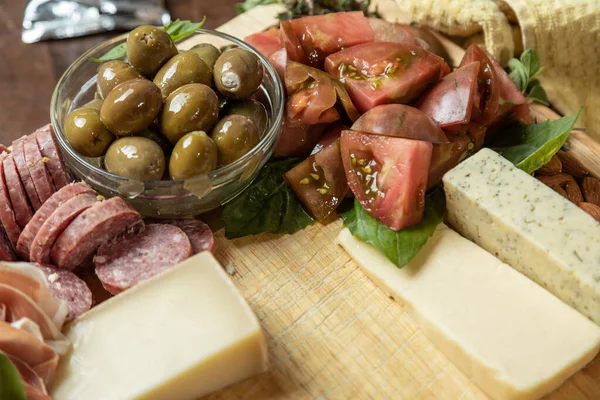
[
  {"x": 402, "y": 121},
  {"x": 451, "y": 100},
  {"x": 267, "y": 42},
  {"x": 332, "y": 134},
  {"x": 298, "y": 141},
  {"x": 388, "y": 175},
  {"x": 385, "y": 31},
  {"x": 383, "y": 73},
  {"x": 279, "y": 60},
  {"x": 319, "y": 181}
]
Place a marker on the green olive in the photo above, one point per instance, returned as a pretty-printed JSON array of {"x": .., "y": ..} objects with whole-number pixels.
[
  {"x": 207, "y": 52},
  {"x": 86, "y": 133},
  {"x": 193, "y": 107},
  {"x": 135, "y": 158},
  {"x": 194, "y": 154},
  {"x": 96, "y": 104},
  {"x": 112, "y": 73},
  {"x": 131, "y": 107},
  {"x": 237, "y": 73},
  {"x": 234, "y": 135},
  {"x": 149, "y": 48},
  {"x": 252, "y": 109},
  {"x": 180, "y": 70}
]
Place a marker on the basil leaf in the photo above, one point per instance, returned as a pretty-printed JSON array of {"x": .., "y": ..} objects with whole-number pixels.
[
  {"x": 181, "y": 29},
  {"x": 538, "y": 94},
  {"x": 116, "y": 53},
  {"x": 398, "y": 246},
  {"x": 518, "y": 74},
  {"x": 11, "y": 386},
  {"x": 249, "y": 4},
  {"x": 531, "y": 61},
  {"x": 267, "y": 205},
  {"x": 530, "y": 147}
]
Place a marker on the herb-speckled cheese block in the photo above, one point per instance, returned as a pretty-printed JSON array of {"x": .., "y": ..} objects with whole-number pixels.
[{"x": 529, "y": 226}]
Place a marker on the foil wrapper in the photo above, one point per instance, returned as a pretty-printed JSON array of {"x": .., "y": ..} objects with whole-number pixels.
[{"x": 61, "y": 19}]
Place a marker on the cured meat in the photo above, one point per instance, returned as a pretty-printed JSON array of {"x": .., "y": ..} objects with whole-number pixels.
[
  {"x": 65, "y": 285},
  {"x": 18, "y": 156},
  {"x": 6, "y": 251},
  {"x": 55, "y": 225},
  {"x": 199, "y": 233},
  {"x": 122, "y": 263},
  {"x": 96, "y": 225},
  {"x": 7, "y": 213},
  {"x": 34, "y": 386},
  {"x": 49, "y": 149},
  {"x": 18, "y": 197},
  {"x": 4, "y": 149},
  {"x": 39, "y": 174},
  {"x": 33, "y": 227}
]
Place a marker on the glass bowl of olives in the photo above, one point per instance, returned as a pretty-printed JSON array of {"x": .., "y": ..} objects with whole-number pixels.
[{"x": 178, "y": 129}]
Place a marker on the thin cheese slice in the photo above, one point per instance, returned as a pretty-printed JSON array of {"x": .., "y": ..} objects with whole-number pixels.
[
  {"x": 508, "y": 335},
  {"x": 179, "y": 335},
  {"x": 529, "y": 226}
]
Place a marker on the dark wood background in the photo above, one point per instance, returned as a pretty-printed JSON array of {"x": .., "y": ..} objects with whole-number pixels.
[{"x": 29, "y": 72}]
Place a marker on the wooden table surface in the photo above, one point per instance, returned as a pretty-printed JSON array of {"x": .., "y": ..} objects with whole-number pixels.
[{"x": 29, "y": 72}]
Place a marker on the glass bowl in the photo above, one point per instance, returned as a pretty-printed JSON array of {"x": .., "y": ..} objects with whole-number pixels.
[{"x": 166, "y": 198}]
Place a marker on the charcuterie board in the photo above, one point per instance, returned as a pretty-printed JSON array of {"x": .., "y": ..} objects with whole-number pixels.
[{"x": 332, "y": 333}]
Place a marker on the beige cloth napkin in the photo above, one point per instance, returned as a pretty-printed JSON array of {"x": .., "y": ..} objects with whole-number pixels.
[{"x": 565, "y": 33}]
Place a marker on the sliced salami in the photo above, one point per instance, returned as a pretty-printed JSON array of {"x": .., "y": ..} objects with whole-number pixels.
[
  {"x": 96, "y": 225},
  {"x": 7, "y": 213},
  {"x": 136, "y": 256},
  {"x": 6, "y": 251},
  {"x": 199, "y": 233},
  {"x": 33, "y": 227},
  {"x": 49, "y": 149},
  {"x": 67, "y": 286},
  {"x": 18, "y": 155},
  {"x": 16, "y": 192},
  {"x": 56, "y": 223},
  {"x": 39, "y": 174},
  {"x": 4, "y": 149}
]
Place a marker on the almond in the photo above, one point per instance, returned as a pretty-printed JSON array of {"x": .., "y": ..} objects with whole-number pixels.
[
  {"x": 571, "y": 165},
  {"x": 559, "y": 190},
  {"x": 591, "y": 209},
  {"x": 573, "y": 192},
  {"x": 553, "y": 167},
  {"x": 591, "y": 190},
  {"x": 556, "y": 180}
]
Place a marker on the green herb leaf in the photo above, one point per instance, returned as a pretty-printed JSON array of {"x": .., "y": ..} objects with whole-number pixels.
[
  {"x": 531, "y": 61},
  {"x": 268, "y": 205},
  {"x": 11, "y": 386},
  {"x": 116, "y": 53},
  {"x": 530, "y": 147},
  {"x": 181, "y": 29},
  {"x": 518, "y": 74},
  {"x": 301, "y": 8},
  {"x": 249, "y": 4},
  {"x": 399, "y": 246},
  {"x": 537, "y": 93},
  {"x": 522, "y": 73}
]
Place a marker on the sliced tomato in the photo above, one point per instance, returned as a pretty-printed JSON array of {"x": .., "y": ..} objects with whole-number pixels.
[
  {"x": 385, "y": 31},
  {"x": 383, "y": 73},
  {"x": 267, "y": 42},
  {"x": 513, "y": 104},
  {"x": 291, "y": 43},
  {"x": 313, "y": 96},
  {"x": 332, "y": 134},
  {"x": 279, "y": 61},
  {"x": 388, "y": 175},
  {"x": 451, "y": 100},
  {"x": 319, "y": 181},
  {"x": 402, "y": 121},
  {"x": 298, "y": 141}
]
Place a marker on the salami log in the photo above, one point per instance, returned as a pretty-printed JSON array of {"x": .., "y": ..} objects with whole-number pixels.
[
  {"x": 16, "y": 192},
  {"x": 136, "y": 256},
  {"x": 96, "y": 225},
  {"x": 37, "y": 169},
  {"x": 49, "y": 149},
  {"x": 55, "y": 225},
  {"x": 199, "y": 233},
  {"x": 6, "y": 251},
  {"x": 65, "y": 285},
  {"x": 18, "y": 156},
  {"x": 7, "y": 213}
]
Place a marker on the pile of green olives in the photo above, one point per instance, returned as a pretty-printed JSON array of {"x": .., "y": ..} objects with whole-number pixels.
[{"x": 166, "y": 114}]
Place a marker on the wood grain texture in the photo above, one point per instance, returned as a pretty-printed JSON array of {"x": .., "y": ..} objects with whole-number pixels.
[{"x": 332, "y": 334}]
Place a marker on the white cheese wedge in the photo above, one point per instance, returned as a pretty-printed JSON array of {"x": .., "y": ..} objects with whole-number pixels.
[
  {"x": 529, "y": 226},
  {"x": 508, "y": 335},
  {"x": 179, "y": 335}
]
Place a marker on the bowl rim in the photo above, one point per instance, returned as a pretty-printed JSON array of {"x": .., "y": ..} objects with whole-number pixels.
[{"x": 214, "y": 176}]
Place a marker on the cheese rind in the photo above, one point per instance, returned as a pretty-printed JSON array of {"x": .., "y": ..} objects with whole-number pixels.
[
  {"x": 179, "y": 335},
  {"x": 504, "y": 332},
  {"x": 529, "y": 226}
]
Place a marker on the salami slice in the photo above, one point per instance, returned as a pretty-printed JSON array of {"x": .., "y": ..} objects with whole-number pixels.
[
  {"x": 3, "y": 149},
  {"x": 199, "y": 233},
  {"x": 96, "y": 225},
  {"x": 49, "y": 149},
  {"x": 56, "y": 223},
  {"x": 39, "y": 174},
  {"x": 18, "y": 197},
  {"x": 7, "y": 213},
  {"x": 67, "y": 286},
  {"x": 18, "y": 155},
  {"x": 122, "y": 263},
  {"x": 6, "y": 251}
]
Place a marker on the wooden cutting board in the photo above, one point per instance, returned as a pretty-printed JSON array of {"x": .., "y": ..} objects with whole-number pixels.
[{"x": 332, "y": 334}]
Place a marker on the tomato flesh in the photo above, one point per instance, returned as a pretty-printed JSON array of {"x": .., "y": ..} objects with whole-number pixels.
[
  {"x": 388, "y": 175},
  {"x": 383, "y": 73},
  {"x": 332, "y": 134},
  {"x": 385, "y": 31},
  {"x": 298, "y": 141},
  {"x": 267, "y": 42},
  {"x": 279, "y": 61}
]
